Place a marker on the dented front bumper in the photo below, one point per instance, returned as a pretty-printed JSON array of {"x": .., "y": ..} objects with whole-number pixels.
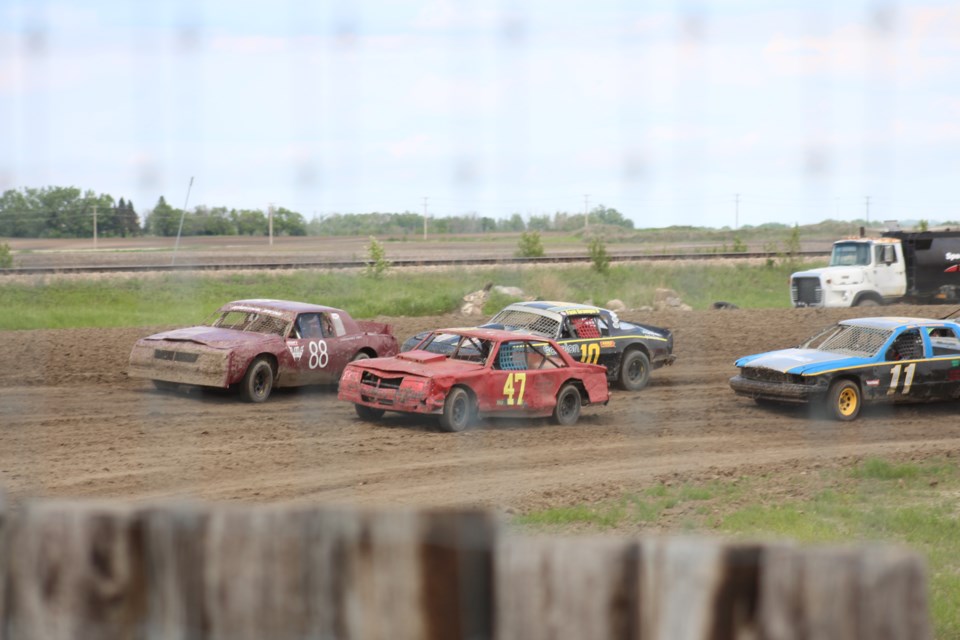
[{"x": 182, "y": 363}]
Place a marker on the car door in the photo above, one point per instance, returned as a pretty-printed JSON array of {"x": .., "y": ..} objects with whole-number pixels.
[
  {"x": 588, "y": 340},
  {"x": 522, "y": 379},
  {"x": 944, "y": 362},
  {"x": 911, "y": 373},
  {"x": 316, "y": 349}
]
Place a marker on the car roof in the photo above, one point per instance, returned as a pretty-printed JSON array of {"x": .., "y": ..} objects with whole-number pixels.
[
  {"x": 894, "y": 322},
  {"x": 279, "y": 305},
  {"x": 499, "y": 335},
  {"x": 562, "y": 308}
]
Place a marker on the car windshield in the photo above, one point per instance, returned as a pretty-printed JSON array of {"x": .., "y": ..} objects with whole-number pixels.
[
  {"x": 849, "y": 254},
  {"x": 457, "y": 347},
  {"x": 849, "y": 339},
  {"x": 516, "y": 319},
  {"x": 242, "y": 320}
]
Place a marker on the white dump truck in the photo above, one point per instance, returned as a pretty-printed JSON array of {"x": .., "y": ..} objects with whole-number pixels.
[{"x": 899, "y": 266}]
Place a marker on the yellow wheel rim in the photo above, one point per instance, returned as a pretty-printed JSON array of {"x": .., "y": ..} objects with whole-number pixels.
[{"x": 847, "y": 402}]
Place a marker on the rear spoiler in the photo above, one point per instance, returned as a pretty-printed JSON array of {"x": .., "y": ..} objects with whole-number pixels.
[{"x": 369, "y": 326}]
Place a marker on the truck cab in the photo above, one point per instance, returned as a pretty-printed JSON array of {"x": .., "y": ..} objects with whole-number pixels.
[{"x": 862, "y": 271}]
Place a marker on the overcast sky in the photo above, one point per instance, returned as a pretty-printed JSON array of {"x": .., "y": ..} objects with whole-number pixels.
[{"x": 711, "y": 113}]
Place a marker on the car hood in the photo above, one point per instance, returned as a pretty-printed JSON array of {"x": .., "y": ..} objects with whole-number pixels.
[
  {"x": 420, "y": 363},
  {"x": 837, "y": 275},
  {"x": 214, "y": 337},
  {"x": 801, "y": 361}
]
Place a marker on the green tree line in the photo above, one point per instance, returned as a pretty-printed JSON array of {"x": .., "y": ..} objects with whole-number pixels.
[
  {"x": 65, "y": 212},
  {"x": 409, "y": 223},
  {"x": 68, "y": 212}
]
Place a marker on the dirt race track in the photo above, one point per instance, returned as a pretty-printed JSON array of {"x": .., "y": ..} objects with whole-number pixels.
[{"x": 73, "y": 425}]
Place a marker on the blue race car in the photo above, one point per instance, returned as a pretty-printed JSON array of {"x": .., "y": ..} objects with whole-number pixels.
[
  {"x": 590, "y": 334},
  {"x": 858, "y": 361}
]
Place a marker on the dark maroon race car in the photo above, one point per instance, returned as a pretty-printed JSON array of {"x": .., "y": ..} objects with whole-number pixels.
[
  {"x": 488, "y": 372},
  {"x": 257, "y": 345}
]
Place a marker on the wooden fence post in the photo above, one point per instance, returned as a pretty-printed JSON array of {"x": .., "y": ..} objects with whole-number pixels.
[
  {"x": 74, "y": 571},
  {"x": 196, "y": 572}
]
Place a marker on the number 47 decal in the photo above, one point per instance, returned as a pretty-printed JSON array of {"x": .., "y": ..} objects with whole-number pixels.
[
  {"x": 515, "y": 385},
  {"x": 907, "y": 378}
]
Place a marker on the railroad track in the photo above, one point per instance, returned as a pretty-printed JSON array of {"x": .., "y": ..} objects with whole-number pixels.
[{"x": 401, "y": 263}]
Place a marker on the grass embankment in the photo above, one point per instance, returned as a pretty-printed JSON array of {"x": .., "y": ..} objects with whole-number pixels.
[
  {"x": 911, "y": 503},
  {"x": 56, "y": 303}
]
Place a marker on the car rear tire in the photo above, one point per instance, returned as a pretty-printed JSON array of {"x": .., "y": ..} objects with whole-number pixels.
[
  {"x": 368, "y": 414},
  {"x": 634, "y": 370},
  {"x": 457, "y": 410},
  {"x": 258, "y": 381},
  {"x": 567, "y": 411},
  {"x": 844, "y": 400}
]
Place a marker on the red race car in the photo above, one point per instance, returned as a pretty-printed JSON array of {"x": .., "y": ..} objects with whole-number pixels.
[
  {"x": 485, "y": 372},
  {"x": 257, "y": 345}
]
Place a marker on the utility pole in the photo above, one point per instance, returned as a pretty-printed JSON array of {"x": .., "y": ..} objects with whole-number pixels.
[
  {"x": 424, "y": 218},
  {"x": 586, "y": 211},
  {"x": 868, "y": 209},
  {"x": 186, "y": 199},
  {"x": 270, "y": 222},
  {"x": 94, "y": 226},
  {"x": 736, "y": 213}
]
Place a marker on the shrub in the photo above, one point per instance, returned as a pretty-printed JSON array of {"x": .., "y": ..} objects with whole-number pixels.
[
  {"x": 598, "y": 256},
  {"x": 530, "y": 245},
  {"x": 6, "y": 258},
  {"x": 378, "y": 263}
]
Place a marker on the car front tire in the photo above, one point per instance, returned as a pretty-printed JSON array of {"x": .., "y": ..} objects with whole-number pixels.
[
  {"x": 844, "y": 400},
  {"x": 258, "y": 381},
  {"x": 368, "y": 414},
  {"x": 457, "y": 410}
]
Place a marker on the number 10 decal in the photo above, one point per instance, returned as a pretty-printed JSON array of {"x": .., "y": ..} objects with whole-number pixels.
[
  {"x": 907, "y": 378},
  {"x": 515, "y": 384},
  {"x": 590, "y": 353}
]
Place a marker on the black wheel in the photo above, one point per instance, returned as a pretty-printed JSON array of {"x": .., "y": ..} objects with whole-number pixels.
[
  {"x": 634, "y": 370},
  {"x": 567, "y": 411},
  {"x": 258, "y": 381},
  {"x": 867, "y": 302},
  {"x": 368, "y": 414},
  {"x": 844, "y": 400},
  {"x": 457, "y": 410},
  {"x": 163, "y": 385}
]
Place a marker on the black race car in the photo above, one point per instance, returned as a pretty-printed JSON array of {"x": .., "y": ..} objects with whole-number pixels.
[
  {"x": 857, "y": 361},
  {"x": 628, "y": 350}
]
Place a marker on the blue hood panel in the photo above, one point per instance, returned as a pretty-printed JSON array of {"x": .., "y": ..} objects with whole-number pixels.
[{"x": 801, "y": 361}]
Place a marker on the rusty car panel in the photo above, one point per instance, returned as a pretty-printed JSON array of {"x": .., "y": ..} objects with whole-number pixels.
[
  {"x": 289, "y": 343},
  {"x": 500, "y": 373}
]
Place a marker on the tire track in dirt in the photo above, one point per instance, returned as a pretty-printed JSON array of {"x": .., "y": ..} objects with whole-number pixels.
[{"x": 73, "y": 425}]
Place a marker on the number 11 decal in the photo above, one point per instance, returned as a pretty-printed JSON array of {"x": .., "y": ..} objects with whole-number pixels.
[{"x": 907, "y": 378}]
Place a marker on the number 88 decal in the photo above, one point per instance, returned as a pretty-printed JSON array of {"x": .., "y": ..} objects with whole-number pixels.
[{"x": 318, "y": 354}]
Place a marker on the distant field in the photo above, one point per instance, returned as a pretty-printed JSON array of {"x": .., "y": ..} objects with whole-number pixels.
[
  {"x": 41, "y": 252},
  {"x": 57, "y": 302}
]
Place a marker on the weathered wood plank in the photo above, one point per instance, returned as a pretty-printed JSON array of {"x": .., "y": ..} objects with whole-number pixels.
[
  {"x": 198, "y": 572},
  {"x": 565, "y": 588},
  {"x": 331, "y": 573},
  {"x": 75, "y": 571}
]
